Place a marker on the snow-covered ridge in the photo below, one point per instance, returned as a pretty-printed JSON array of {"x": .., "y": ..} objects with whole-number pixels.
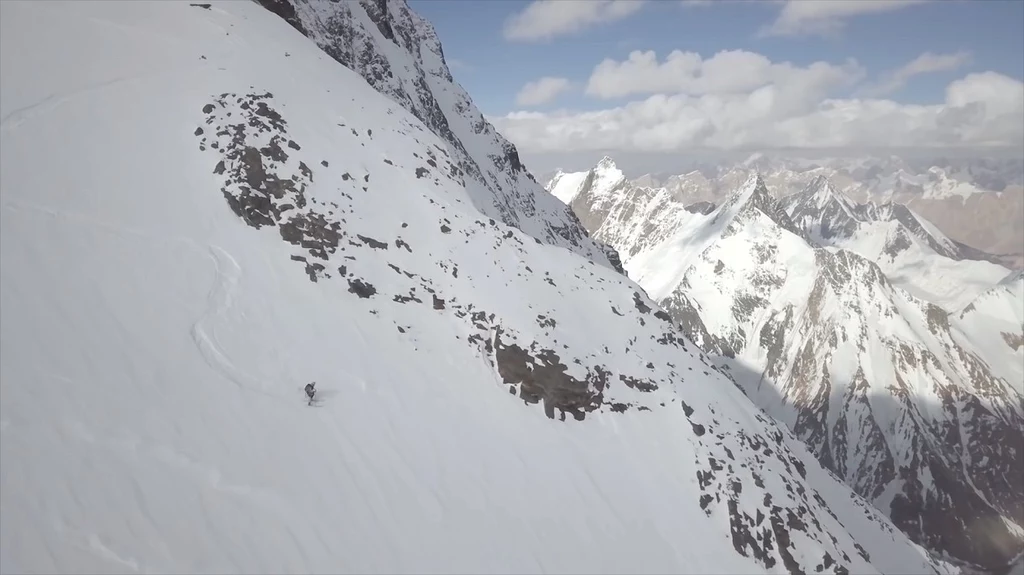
[
  {"x": 910, "y": 250},
  {"x": 820, "y": 306},
  {"x": 942, "y": 190},
  {"x": 398, "y": 53},
  {"x": 242, "y": 214},
  {"x": 994, "y": 323}
]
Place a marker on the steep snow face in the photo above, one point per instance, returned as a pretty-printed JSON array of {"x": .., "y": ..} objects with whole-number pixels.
[
  {"x": 994, "y": 324},
  {"x": 399, "y": 54},
  {"x": 912, "y": 252},
  {"x": 201, "y": 212},
  {"x": 565, "y": 186},
  {"x": 602, "y": 188},
  {"x": 623, "y": 214},
  {"x": 881, "y": 385}
]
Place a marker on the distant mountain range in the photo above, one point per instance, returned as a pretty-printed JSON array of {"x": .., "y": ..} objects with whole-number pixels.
[
  {"x": 892, "y": 350},
  {"x": 975, "y": 201}
]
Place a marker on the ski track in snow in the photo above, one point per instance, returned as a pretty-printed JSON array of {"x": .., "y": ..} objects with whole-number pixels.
[
  {"x": 219, "y": 301},
  {"x": 19, "y": 116}
]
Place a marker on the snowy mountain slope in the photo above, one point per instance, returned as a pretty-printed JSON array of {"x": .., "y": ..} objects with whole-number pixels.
[
  {"x": 565, "y": 186},
  {"x": 399, "y": 54},
  {"x": 912, "y": 252},
  {"x": 884, "y": 389},
  {"x": 994, "y": 323},
  {"x": 199, "y": 213}
]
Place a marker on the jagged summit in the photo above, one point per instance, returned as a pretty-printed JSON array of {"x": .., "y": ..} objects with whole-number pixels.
[
  {"x": 753, "y": 198},
  {"x": 820, "y": 193},
  {"x": 604, "y": 177},
  {"x": 907, "y": 246},
  {"x": 753, "y": 194},
  {"x": 883, "y": 384},
  {"x": 399, "y": 54},
  {"x": 606, "y": 163}
]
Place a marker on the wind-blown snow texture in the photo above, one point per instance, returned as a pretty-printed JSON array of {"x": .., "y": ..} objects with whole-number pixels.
[
  {"x": 917, "y": 409},
  {"x": 202, "y": 211}
]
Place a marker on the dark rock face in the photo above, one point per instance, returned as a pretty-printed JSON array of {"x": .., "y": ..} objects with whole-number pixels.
[
  {"x": 285, "y": 10},
  {"x": 541, "y": 377},
  {"x": 702, "y": 208}
]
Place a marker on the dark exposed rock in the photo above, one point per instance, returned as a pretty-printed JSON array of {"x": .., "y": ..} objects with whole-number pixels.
[
  {"x": 314, "y": 232},
  {"x": 638, "y": 384},
  {"x": 313, "y": 270},
  {"x": 285, "y": 10},
  {"x": 361, "y": 288},
  {"x": 703, "y": 208},
  {"x": 542, "y": 377},
  {"x": 377, "y": 245},
  {"x": 639, "y": 303}
]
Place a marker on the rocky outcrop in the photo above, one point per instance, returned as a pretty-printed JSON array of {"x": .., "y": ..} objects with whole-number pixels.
[{"x": 365, "y": 36}]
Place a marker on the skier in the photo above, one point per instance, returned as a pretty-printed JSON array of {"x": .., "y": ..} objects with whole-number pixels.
[{"x": 311, "y": 391}]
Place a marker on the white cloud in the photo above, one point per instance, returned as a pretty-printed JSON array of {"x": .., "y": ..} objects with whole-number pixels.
[
  {"x": 979, "y": 110},
  {"x": 541, "y": 91},
  {"x": 727, "y": 72},
  {"x": 548, "y": 19},
  {"x": 924, "y": 64},
  {"x": 826, "y": 17}
]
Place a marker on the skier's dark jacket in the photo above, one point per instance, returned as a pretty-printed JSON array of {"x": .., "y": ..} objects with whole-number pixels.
[{"x": 310, "y": 389}]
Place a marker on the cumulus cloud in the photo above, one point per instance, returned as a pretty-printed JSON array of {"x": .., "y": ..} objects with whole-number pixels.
[
  {"x": 541, "y": 91},
  {"x": 727, "y": 72},
  {"x": 826, "y": 17},
  {"x": 978, "y": 110},
  {"x": 924, "y": 64},
  {"x": 548, "y": 19}
]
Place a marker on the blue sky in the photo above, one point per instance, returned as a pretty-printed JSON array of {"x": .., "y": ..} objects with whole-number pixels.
[
  {"x": 493, "y": 69},
  {"x": 592, "y": 77}
]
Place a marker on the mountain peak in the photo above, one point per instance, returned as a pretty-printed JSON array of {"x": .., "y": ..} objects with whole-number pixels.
[
  {"x": 754, "y": 193},
  {"x": 606, "y": 164},
  {"x": 821, "y": 191},
  {"x": 821, "y": 184},
  {"x": 604, "y": 177}
]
